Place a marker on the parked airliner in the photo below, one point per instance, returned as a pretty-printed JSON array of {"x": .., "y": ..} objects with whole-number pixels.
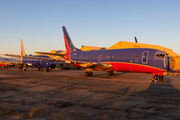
[
  {"x": 36, "y": 63},
  {"x": 142, "y": 60}
]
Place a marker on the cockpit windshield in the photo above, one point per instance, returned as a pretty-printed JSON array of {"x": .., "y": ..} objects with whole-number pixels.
[{"x": 162, "y": 55}]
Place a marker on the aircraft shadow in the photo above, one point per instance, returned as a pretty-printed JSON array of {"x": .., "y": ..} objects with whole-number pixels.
[
  {"x": 105, "y": 74},
  {"x": 158, "y": 101}
]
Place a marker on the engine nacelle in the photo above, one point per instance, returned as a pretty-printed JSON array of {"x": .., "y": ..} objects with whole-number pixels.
[{"x": 21, "y": 67}]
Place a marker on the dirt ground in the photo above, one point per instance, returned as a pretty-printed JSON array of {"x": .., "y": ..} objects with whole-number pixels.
[{"x": 60, "y": 95}]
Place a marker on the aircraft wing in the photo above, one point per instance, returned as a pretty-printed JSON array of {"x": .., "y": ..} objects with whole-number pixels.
[
  {"x": 92, "y": 65},
  {"x": 10, "y": 63},
  {"x": 32, "y": 57},
  {"x": 55, "y": 54}
]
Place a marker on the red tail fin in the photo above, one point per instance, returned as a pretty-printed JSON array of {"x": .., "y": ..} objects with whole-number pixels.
[{"x": 68, "y": 43}]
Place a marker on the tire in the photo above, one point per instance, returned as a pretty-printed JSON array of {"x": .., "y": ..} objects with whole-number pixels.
[
  {"x": 86, "y": 74},
  {"x": 91, "y": 74},
  {"x": 154, "y": 78},
  {"x": 109, "y": 73},
  {"x": 112, "y": 73},
  {"x": 47, "y": 70}
]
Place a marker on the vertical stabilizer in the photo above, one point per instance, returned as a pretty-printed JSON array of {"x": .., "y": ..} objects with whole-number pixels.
[
  {"x": 68, "y": 43},
  {"x": 22, "y": 49}
]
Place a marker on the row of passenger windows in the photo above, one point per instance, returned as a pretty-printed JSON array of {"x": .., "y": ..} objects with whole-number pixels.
[
  {"x": 127, "y": 56},
  {"x": 107, "y": 57}
]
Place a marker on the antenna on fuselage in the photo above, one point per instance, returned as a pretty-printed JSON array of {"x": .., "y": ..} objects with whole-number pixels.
[{"x": 135, "y": 40}]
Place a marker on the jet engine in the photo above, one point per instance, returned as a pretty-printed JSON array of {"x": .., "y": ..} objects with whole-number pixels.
[{"x": 22, "y": 67}]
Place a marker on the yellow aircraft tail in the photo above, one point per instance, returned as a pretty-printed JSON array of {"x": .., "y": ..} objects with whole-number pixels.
[{"x": 22, "y": 51}]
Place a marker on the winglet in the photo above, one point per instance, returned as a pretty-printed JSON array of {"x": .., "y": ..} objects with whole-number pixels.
[{"x": 22, "y": 49}]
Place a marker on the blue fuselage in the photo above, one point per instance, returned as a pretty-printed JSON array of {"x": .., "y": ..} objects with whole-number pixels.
[
  {"x": 131, "y": 59},
  {"x": 38, "y": 63}
]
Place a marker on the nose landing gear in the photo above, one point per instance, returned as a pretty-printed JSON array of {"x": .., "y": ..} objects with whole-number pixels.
[{"x": 158, "y": 77}]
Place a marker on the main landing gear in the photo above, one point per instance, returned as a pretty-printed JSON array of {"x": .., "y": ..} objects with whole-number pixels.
[
  {"x": 47, "y": 69},
  {"x": 88, "y": 74},
  {"x": 41, "y": 69},
  {"x": 158, "y": 77},
  {"x": 110, "y": 73}
]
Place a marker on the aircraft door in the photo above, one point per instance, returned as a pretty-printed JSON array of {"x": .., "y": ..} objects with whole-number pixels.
[
  {"x": 168, "y": 64},
  {"x": 145, "y": 57},
  {"x": 172, "y": 63}
]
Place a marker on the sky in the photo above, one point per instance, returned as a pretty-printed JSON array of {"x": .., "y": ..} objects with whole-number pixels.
[{"x": 89, "y": 22}]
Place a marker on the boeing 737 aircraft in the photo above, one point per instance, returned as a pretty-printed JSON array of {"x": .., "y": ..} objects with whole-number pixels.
[
  {"x": 37, "y": 63},
  {"x": 142, "y": 60}
]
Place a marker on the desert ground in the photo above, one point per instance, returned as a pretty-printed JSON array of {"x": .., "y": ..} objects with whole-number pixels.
[{"x": 68, "y": 95}]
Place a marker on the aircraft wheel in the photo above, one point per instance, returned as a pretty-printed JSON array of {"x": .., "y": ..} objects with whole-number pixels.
[
  {"x": 154, "y": 78},
  {"x": 91, "y": 74},
  {"x": 40, "y": 69},
  {"x": 47, "y": 70},
  {"x": 86, "y": 74},
  {"x": 110, "y": 73},
  {"x": 113, "y": 74},
  {"x": 161, "y": 78}
]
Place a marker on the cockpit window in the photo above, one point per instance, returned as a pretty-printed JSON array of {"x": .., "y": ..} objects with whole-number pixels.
[{"x": 161, "y": 55}]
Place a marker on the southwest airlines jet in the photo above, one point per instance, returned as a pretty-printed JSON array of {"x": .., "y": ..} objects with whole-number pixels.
[
  {"x": 142, "y": 60},
  {"x": 36, "y": 63}
]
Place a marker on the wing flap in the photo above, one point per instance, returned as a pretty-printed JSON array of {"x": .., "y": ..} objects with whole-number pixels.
[{"x": 10, "y": 62}]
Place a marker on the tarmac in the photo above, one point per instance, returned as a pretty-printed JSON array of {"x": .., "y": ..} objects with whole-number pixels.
[{"x": 67, "y": 94}]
